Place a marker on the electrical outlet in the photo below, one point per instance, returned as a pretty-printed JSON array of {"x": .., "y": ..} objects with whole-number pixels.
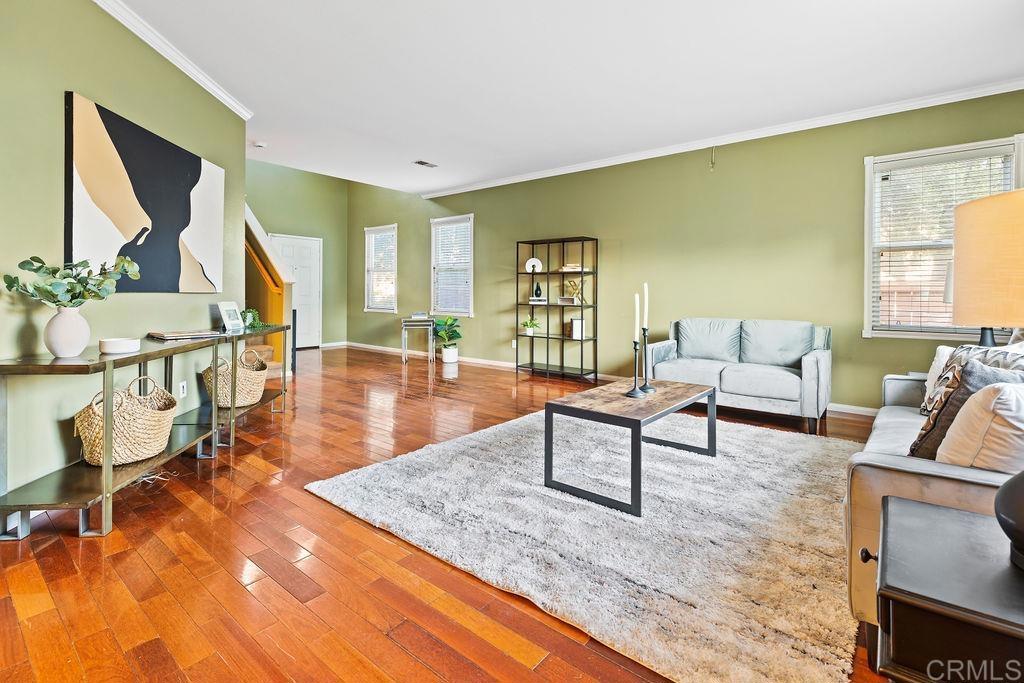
[
  {"x": 513, "y": 343},
  {"x": 182, "y": 389}
]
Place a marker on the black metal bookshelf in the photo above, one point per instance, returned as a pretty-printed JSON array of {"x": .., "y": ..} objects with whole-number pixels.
[{"x": 554, "y": 351}]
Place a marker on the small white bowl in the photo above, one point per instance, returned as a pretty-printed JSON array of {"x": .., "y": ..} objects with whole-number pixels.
[{"x": 120, "y": 345}]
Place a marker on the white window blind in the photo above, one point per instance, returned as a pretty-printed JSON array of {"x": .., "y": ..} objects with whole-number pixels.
[
  {"x": 381, "y": 269},
  {"x": 451, "y": 267},
  {"x": 909, "y": 222}
]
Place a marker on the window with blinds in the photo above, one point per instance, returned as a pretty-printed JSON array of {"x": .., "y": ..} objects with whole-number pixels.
[
  {"x": 909, "y": 223},
  {"x": 381, "y": 269},
  {"x": 451, "y": 265}
]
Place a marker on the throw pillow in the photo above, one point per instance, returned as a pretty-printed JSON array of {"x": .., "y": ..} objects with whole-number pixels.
[
  {"x": 988, "y": 432},
  {"x": 942, "y": 354},
  {"x": 1008, "y": 357},
  {"x": 973, "y": 377}
]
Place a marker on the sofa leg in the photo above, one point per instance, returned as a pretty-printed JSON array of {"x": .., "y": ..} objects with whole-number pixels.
[
  {"x": 871, "y": 645},
  {"x": 812, "y": 425}
]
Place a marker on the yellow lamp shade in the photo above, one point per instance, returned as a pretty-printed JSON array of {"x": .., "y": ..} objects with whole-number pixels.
[{"x": 988, "y": 261}]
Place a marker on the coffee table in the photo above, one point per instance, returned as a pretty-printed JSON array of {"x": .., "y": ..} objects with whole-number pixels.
[{"x": 608, "y": 404}]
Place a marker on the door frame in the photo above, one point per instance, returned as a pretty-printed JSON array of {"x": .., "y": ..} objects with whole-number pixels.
[{"x": 320, "y": 279}]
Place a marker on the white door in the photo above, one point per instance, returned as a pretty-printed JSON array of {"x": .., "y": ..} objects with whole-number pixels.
[{"x": 304, "y": 255}]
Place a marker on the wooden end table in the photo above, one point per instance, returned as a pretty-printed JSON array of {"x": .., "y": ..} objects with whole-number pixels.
[
  {"x": 609, "y": 404},
  {"x": 950, "y": 603}
]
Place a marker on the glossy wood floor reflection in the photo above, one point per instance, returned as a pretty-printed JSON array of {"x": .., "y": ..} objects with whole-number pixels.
[{"x": 230, "y": 571}]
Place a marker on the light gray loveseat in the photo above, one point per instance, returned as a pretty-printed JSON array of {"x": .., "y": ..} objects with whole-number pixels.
[
  {"x": 774, "y": 366},
  {"x": 884, "y": 468}
]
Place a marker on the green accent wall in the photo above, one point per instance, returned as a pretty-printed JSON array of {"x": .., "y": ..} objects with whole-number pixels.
[
  {"x": 293, "y": 202},
  {"x": 47, "y": 47},
  {"x": 775, "y": 231}
]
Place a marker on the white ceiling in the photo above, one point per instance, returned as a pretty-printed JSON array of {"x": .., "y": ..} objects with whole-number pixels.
[{"x": 495, "y": 91}]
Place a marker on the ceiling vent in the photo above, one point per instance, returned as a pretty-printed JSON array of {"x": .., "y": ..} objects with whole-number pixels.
[{"x": 426, "y": 164}]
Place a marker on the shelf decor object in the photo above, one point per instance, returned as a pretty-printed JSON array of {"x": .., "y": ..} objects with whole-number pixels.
[
  {"x": 79, "y": 485},
  {"x": 142, "y": 423},
  {"x": 544, "y": 269}
]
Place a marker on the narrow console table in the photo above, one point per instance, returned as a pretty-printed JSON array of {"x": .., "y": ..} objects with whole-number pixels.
[{"x": 79, "y": 486}]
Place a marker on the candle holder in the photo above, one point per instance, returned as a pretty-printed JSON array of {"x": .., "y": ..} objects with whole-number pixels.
[
  {"x": 635, "y": 392},
  {"x": 646, "y": 387}
]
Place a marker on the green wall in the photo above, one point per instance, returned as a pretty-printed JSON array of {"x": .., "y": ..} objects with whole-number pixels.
[
  {"x": 775, "y": 231},
  {"x": 294, "y": 202},
  {"x": 47, "y": 47}
]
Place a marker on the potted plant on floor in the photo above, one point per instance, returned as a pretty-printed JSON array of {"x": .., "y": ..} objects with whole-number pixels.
[
  {"x": 530, "y": 325},
  {"x": 66, "y": 288},
  {"x": 446, "y": 330}
]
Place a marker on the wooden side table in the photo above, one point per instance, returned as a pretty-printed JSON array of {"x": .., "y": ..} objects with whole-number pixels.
[
  {"x": 950, "y": 603},
  {"x": 417, "y": 324}
]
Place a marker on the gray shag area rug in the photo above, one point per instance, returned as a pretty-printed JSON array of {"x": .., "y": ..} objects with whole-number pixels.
[{"x": 736, "y": 571}]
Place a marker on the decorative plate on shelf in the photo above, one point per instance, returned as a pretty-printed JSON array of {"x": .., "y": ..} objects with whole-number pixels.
[{"x": 534, "y": 265}]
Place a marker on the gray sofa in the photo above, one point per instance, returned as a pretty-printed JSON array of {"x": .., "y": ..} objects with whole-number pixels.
[
  {"x": 883, "y": 468},
  {"x": 774, "y": 366}
]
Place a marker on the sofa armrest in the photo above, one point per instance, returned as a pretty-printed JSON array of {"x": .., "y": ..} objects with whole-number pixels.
[
  {"x": 815, "y": 383},
  {"x": 903, "y": 390},
  {"x": 871, "y": 477},
  {"x": 658, "y": 352}
]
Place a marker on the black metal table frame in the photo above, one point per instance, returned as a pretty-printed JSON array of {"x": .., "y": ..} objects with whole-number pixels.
[{"x": 636, "y": 440}]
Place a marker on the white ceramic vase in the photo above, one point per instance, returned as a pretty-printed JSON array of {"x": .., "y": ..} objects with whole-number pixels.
[
  {"x": 450, "y": 354},
  {"x": 529, "y": 331},
  {"x": 67, "y": 333}
]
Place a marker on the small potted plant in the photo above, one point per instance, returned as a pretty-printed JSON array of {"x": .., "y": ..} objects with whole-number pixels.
[
  {"x": 66, "y": 288},
  {"x": 530, "y": 325},
  {"x": 446, "y": 330}
]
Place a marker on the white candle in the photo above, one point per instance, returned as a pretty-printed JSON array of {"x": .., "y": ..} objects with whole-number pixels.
[
  {"x": 636, "y": 317},
  {"x": 645, "y": 307}
]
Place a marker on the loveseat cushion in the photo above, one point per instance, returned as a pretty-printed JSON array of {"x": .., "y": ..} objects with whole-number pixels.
[
  {"x": 762, "y": 381},
  {"x": 775, "y": 342},
  {"x": 709, "y": 338},
  {"x": 894, "y": 429},
  {"x": 692, "y": 370}
]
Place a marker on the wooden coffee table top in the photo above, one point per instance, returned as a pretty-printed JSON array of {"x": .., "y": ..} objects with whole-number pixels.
[{"x": 611, "y": 399}]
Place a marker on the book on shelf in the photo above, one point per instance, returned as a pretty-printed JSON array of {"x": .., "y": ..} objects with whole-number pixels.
[
  {"x": 573, "y": 268},
  {"x": 184, "y": 334},
  {"x": 538, "y": 300}
]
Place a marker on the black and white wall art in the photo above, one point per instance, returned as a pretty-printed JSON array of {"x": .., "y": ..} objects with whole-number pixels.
[{"x": 130, "y": 192}]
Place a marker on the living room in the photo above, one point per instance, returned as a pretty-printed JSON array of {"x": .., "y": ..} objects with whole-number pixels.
[{"x": 638, "y": 345}]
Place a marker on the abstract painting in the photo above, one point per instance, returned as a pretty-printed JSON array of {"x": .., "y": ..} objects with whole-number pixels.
[{"x": 130, "y": 192}]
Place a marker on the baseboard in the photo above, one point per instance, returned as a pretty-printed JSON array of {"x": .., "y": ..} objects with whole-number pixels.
[
  {"x": 509, "y": 365},
  {"x": 499, "y": 364},
  {"x": 854, "y": 410}
]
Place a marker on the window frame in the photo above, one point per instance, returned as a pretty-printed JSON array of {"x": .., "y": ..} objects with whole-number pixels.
[
  {"x": 440, "y": 222},
  {"x": 367, "y": 234},
  {"x": 907, "y": 158}
]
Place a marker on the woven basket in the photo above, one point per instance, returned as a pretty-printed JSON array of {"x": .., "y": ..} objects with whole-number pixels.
[
  {"x": 252, "y": 378},
  {"x": 142, "y": 424}
]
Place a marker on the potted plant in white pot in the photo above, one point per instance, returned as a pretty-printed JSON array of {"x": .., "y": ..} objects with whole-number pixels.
[
  {"x": 446, "y": 330},
  {"x": 66, "y": 288},
  {"x": 530, "y": 325}
]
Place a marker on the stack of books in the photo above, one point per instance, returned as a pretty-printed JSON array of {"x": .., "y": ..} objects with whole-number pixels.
[
  {"x": 538, "y": 300},
  {"x": 573, "y": 268}
]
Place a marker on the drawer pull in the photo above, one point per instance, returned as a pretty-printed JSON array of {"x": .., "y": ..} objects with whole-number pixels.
[{"x": 866, "y": 556}]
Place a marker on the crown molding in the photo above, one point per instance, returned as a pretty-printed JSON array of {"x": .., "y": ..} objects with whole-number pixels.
[
  {"x": 744, "y": 136},
  {"x": 149, "y": 35}
]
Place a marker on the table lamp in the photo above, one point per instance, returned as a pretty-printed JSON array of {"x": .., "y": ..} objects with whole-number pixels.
[
  {"x": 988, "y": 264},
  {"x": 988, "y": 290}
]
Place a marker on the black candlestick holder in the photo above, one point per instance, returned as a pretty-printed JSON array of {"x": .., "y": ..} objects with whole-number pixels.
[
  {"x": 646, "y": 387},
  {"x": 636, "y": 392}
]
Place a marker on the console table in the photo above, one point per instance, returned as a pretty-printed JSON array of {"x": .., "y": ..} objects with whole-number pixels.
[
  {"x": 79, "y": 485},
  {"x": 950, "y": 603}
]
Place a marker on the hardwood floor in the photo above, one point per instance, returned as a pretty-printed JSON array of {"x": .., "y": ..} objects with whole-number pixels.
[{"x": 229, "y": 570}]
